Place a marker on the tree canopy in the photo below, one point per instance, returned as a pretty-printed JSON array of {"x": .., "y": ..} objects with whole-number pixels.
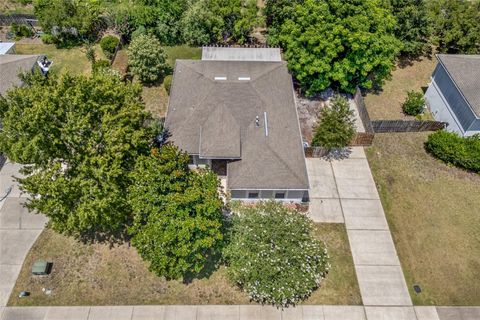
[
  {"x": 177, "y": 224},
  {"x": 146, "y": 58},
  {"x": 81, "y": 136},
  {"x": 412, "y": 27},
  {"x": 336, "y": 43},
  {"x": 337, "y": 125},
  {"x": 455, "y": 24}
]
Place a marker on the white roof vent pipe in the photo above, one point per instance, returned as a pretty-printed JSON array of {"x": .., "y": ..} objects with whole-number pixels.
[
  {"x": 257, "y": 121},
  {"x": 220, "y": 78},
  {"x": 244, "y": 78}
]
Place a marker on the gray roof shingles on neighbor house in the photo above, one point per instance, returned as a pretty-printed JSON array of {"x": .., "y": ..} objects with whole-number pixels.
[
  {"x": 213, "y": 112},
  {"x": 10, "y": 66},
  {"x": 464, "y": 70}
]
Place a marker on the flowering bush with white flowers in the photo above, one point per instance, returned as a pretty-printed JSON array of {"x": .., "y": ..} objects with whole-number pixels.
[{"x": 272, "y": 254}]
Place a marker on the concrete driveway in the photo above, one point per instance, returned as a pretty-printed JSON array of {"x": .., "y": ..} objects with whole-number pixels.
[{"x": 18, "y": 229}]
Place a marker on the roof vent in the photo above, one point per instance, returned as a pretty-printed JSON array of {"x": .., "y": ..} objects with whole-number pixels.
[
  {"x": 257, "y": 121},
  {"x": 244, "y": 78},
  {"x": 220, "y": 78},
  {"x": 266, "y": 124}
]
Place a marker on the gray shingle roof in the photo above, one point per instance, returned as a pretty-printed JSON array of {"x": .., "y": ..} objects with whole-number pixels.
[
  {"x": 465, "y": 72},
  {"x": 216, "y": 119},
  {"x": 10, "y": 66}
]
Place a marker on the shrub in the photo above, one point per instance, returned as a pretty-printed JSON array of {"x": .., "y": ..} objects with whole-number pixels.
[
  {"x": 100, "y": 65},
  {"x": 47, "y": 38},
  {"x": 272, "y": 255},
  {"x": 337, "y": 125},
  {"x": 21, "y": 30},
  {"x": 109, "y": 44},
  {"x": 140, "y": 31},
  {"x": 146, "y": 58},
  {"x": 453, "y": 149},
  {"x": 167, "y": 83},
  {"x": 414, "y": 103}
]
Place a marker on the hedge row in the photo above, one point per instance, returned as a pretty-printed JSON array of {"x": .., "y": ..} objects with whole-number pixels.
[{"x": 453, "y": 149}]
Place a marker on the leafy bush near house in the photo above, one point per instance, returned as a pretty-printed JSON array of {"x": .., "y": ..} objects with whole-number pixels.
[
  {"x": 453, "y": 149},
  {"x": 109, "y": 44},
  {"x": 272, "y": 255},
  {"x": 146, "y": 58},
  {"x": 337, "y": 125},
  {"x": 46, "y": 38},
  {"x": 414, "y": 103},
  {"x": 167, "y": 83}
]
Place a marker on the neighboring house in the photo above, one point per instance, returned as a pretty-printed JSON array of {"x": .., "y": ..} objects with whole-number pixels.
[
  {"x": 10, "y": 67},
  {"x": 239, "y": 117},
  {"x": 453, "y": 96}
]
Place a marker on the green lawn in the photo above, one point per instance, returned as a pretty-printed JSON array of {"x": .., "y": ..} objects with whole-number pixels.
[
  {"x": 71, "y": 60},
  {"x": 98, "y": 274},
  {"x": 182, "y": 52},
  {"x": 433, "y": 213}
]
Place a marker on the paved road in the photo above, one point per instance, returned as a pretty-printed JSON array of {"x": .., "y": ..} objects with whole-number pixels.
[
  {"x": 18, "y": 230},
  {"x": 344, "y": 191}
]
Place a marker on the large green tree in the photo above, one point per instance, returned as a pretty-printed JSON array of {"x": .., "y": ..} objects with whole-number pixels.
[
  {"x": 177, "y": 224},
  {"x": 339, "y": 43},
  {"x": 456, "y": 25},
  {"x": 81, "y": 136},
  {"x": 412, "y": 26}
]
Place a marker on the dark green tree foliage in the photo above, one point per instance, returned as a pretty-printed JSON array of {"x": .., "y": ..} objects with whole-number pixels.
[
  {"x": 456, "y": 25},
  {"x": 69, "y": 21},
  {"x": 412, "y": 26},
  {"x": 339, "y": 43},
  {"x": 414, "y": 103},
  {"x": 453, "y": 149},
  {"x": 82, "y": 136},
  {"x": 109, "y": 44},
  {"x": 273, "y": 256},
  {"x": 177, "y": 213},
  {"x": 213, "y": 21},
  {"x": 337, "y": 125}
]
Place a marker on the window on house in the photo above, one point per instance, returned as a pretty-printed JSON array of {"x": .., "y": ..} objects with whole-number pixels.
[
  {"x": 279, "y": 195},
  {"x": 191, "y": 160},
  {"x": 253, "y": 195}
]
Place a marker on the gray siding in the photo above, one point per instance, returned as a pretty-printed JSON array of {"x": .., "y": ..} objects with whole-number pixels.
[{"x": 454, "y": 98}]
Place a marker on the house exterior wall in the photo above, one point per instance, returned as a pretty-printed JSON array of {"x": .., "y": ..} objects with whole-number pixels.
[
  {"x": 447, "y": 104},
  {"x": 279, "y": 195}
]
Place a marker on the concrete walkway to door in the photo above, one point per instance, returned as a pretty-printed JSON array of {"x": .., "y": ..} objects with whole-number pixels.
[{"x": 344, "y": 191}]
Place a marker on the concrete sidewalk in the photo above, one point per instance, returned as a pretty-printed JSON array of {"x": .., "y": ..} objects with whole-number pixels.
[
  {"x": 18, "y": 230},
  {"x": 344, "y": 191},
  {"x": 238, "y": 312}
]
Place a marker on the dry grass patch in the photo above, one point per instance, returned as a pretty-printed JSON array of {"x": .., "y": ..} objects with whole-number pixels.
[
  {"x": 432, "y": 210},
  {"x": 156, "y": 100},
  {"x": 102, "y": 275},
  {"x": 15, "y": 6},
  {"x": 387, "y": 104},
  {"x": 340, "y": 286},
  {"x": 71, "y": 60}
]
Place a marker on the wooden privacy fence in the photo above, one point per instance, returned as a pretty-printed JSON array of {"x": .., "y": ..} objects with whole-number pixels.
[
  {"x": 362, "y": 112},
  {"x": 384, "y": 126},
  {"x": 8, "y": 19}
]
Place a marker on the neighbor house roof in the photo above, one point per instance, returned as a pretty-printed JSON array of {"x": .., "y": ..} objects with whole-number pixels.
[
  {"x": 464, "y": 70},
  {"x": 213, "y": 112},
  {"x": 10, "y": 66}
]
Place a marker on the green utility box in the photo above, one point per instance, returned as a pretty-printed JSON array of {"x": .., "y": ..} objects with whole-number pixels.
[{"x": 41, "y": 267}]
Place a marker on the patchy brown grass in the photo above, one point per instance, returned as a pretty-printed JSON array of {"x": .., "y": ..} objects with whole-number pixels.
[
  {"x": 432, "y": 210},
  {"x": 156, "y": 100},
  {"x": 387, "y": 104},
  {"x": 340, "y": 286},
  {"x": 121, "y": 62},
  {"x": 15, "y": 6},
  {"x": 98, "y": 274}
]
